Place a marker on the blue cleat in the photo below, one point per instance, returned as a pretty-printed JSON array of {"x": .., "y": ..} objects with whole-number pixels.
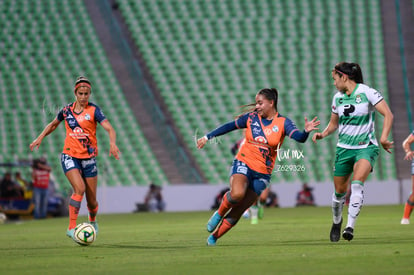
[
  {"x": 213, "y": 222},
  {"x": 70, "y": 233},
  {"x": 211, "y": 240},
  {"x": 95, "y": 225}
]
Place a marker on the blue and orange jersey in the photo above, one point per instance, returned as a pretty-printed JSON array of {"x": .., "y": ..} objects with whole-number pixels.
[
  {"x": 80, "y": 141},
  {"x": 262, "y": 139}
]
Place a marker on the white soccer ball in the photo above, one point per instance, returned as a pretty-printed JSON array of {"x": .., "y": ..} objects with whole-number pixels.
[{"x": 85, "y": 234}]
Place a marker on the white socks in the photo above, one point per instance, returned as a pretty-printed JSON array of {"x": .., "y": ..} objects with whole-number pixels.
[{"x": 355, "y": 202}]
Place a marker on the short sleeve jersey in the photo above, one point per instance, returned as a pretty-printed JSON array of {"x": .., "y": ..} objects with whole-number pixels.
[
  {"x": 356, "y": 116},
  {"x": 80, "y": 141},
  {"x": 259, "y": 149}
]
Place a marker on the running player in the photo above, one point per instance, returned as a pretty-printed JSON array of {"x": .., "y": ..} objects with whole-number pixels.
[
  {"x": 253, "y": 164},
  {"x": 80, "y": 149},
  {"x": 409, "y": 155},
  {"x": 353, "y": 113},
  {"x": 256, "y": 211}
]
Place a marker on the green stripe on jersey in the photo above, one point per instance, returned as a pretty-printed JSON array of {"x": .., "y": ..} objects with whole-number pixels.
[
  {"x": 354, "y": 140},
  {"x": 354, "y": 120}
]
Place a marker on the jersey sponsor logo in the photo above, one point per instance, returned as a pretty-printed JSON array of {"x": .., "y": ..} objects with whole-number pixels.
[
  {"x": 71, "y": 122},
  {"x": 348, "y": 109},
  {"x": 256, "y": 131},
  {"x": 261, "y": 139},
  {"x": 78, "y": 133}
]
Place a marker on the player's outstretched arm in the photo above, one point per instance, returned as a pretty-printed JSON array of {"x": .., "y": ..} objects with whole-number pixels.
[
  {"x": 201, "y": 142},
  {"x": 113, "y": 148},
  {"x": 221, "y": 130},
  {"x": 311, "y": 125},
  {"x": 383, "y": 109},
  {"x": 46, "y": 131},
  {"x": 332, "y": 126},
  {"x": 409, "y": 155}
]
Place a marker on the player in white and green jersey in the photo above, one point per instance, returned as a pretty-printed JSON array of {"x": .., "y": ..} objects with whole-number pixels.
[
  {"x": 356, "y": 116},
  {"x": 353, "y": 114}
]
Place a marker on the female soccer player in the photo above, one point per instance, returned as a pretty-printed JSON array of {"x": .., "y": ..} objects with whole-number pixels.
[
  {"x": 409, "y": 155},
  {"x": 353, "y": 112},
  {"x": 253, "y": 164},
  {"x": 80, "y": 149}
]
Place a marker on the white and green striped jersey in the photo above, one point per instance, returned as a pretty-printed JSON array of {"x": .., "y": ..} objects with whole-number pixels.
[{"x": 356, "y": 116}]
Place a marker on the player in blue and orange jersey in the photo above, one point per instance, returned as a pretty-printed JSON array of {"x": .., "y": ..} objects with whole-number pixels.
[
  {"x": 409, "y": 155},
  {"x": 256, "y": 211},
  {"x": 80, "y": 149},
  {"x": 253, "y": 164}
]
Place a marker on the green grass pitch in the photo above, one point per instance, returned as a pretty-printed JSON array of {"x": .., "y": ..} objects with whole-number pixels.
[{"x": 286, "y": 241}]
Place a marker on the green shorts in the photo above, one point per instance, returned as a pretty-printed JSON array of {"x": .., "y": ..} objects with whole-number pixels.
[{"x": 346, "y": 158}]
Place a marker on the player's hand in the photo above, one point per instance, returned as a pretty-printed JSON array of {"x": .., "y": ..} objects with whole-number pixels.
[
  {"x": 387, "y": 145},
  {"x": 409, "y": 155},
  {"x": 35, "y": 144},
  {"x": 317, "y": 136},
  {"x": 114, "y": 151},
  {"x": 311, "y": 125},
  {"x": 201, "y": 142}
]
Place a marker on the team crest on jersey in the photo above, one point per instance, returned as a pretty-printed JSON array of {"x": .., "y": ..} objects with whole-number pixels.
[
  {"x": 275, "y": 129},
  {"x": 260, "y": 139},
  {"x": 358, "y": 99},
  {"x": 87, "y": 117}
]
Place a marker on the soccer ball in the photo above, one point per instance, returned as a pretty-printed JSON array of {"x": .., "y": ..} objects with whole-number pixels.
[{"x": 85, "y": 234}]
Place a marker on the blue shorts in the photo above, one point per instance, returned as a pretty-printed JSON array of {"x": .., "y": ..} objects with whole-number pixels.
[
  {"x": 412, "y": 167},
  {"x": 257, "y": 181},
  {"x": 87, "y": 167}
]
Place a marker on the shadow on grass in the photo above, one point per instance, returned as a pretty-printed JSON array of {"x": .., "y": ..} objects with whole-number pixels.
[
  {"x": 364, "y": 241},
  {"x": 135, "y": 246}
]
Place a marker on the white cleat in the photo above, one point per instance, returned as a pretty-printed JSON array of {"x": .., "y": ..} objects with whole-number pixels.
[{"x": 405, "y": 221}]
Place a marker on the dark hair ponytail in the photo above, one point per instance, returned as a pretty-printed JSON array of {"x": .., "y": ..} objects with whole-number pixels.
[
  {"x": 352, "y": 70},
  {"x": 270, "y": 94}
]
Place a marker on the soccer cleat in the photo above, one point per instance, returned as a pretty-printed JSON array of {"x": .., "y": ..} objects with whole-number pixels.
[
  {"x": 405, "y": 221},
  {"x": 348, "y": 233},
  {"x": 254, "y": 220},
  {"x": 246, "y": 214},
  {"x": 70, "y": 233},
  {"x": 335, "y": 234},
  {"x": 261, "y": 212},
  {"x": 95, "y": 225},
  {"x": 213, "y": 222},
  {"x": 211, "y": 240}
]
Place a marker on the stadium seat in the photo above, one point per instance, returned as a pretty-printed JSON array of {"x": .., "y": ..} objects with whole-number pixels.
[{"x": 54, "y": 43}]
